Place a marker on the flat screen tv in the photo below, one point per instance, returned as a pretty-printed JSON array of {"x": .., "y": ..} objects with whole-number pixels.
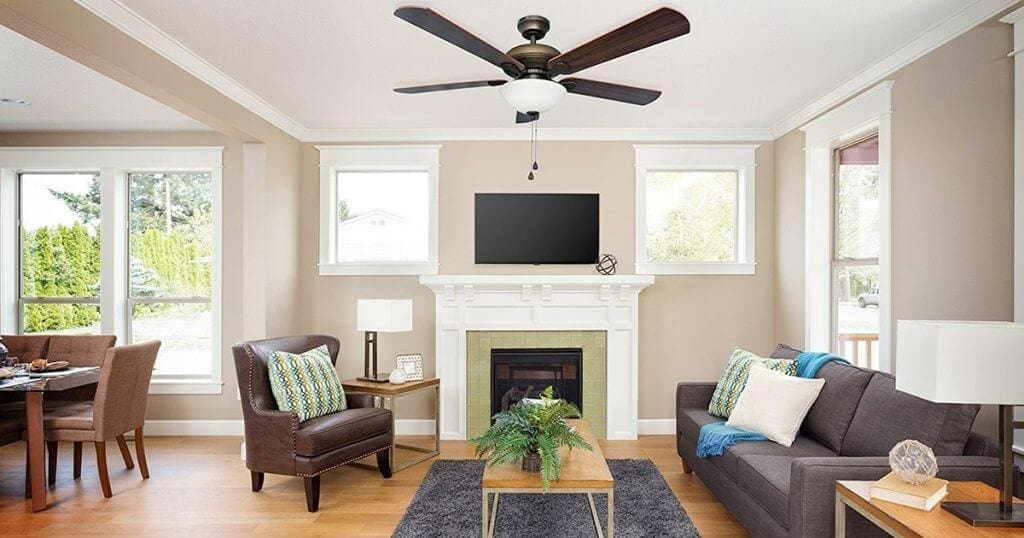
[{"x": 536, "y": 228}]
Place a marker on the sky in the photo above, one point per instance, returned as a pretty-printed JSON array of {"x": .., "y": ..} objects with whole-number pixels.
[{"x": 40, "y": 208}]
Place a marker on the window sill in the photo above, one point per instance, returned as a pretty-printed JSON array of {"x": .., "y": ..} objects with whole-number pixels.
[
  {"x": 178, "y": 386},
  {"x": 696, "y": 268},
  {"x": 377, "y": 269}
]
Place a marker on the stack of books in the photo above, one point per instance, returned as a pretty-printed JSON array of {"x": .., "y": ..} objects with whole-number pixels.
[{"x": 924, "y": 497}]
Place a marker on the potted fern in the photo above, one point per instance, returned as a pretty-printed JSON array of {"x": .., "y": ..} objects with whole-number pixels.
[{"x": 532, "y": 431}]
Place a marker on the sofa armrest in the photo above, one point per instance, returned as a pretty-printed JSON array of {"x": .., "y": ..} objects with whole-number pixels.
[
  {"x": 812, "y": 484},
  {"x": 358, "y": 400},
  {"x": 691, "y": 395}
]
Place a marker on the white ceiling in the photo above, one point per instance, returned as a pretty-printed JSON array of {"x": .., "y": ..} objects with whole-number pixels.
[
  {"x": 328, "y": 64},
  {"x": 65, "y": 95}
]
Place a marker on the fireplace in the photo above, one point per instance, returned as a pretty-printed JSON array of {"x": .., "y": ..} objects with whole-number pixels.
[{"x": 524, "y": 373}]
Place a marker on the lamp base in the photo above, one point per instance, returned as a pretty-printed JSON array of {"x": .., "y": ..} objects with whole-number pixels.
[
  {"x": 987, "y": 514},
  {"x": 379, "y": 378}
]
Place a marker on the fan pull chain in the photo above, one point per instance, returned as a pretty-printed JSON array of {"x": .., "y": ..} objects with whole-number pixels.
[{"x": 533, "y": 148}]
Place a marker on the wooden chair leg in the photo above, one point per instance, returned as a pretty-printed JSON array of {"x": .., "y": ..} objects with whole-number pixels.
[
  {"x": 686, "y": 466},
  {"x": 140, "y": 452},
  {"x": 384, "y": 462},
  {"x": 312, "y": 493},
  {"x": 78, "y": 460},
  {"x": 51, "y": 456},
  {"x": 101, "y": 467},
  {"x": 28, "y": 473},
  {"x": 257, "y": 480},
  {"x": 125, "y": 455}
]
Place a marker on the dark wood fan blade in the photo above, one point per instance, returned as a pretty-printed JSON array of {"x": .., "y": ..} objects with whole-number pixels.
[
  {"x": 607, "y": 90},
  {"x": 449, "y": 86},
  {"x": 528, "y": 117},
  {"x": 651, "y": 29},
  {"x": 447, "y": 30}
]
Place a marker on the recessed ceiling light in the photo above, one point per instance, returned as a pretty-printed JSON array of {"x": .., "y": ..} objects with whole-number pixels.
[{"x": 13, "y": 102}]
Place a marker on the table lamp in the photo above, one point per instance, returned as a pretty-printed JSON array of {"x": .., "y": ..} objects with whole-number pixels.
[
  {"x": 385, "y": 316},
  {"x": 969, "y": 362}
]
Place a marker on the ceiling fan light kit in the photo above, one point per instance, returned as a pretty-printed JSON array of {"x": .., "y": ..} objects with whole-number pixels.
[
  {"x": 533, "y": 94},
  {"x": 534, "y": 67}
]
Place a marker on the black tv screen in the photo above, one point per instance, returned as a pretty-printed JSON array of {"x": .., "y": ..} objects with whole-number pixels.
[{"x": 536, "y": 228}]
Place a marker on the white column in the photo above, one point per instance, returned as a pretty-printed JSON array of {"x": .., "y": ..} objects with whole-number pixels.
[
  {"x": 8, "y": 251},
  {"x": 1016, "y": 19},
  {"x": 113, "y": 253}
]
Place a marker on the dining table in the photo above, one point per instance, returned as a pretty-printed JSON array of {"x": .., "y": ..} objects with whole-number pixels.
[{"x": 34, "y": 388}]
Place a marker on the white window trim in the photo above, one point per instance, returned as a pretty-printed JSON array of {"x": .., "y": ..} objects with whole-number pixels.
[
  {"x": 339, "y": 158},
  {"x": 699, "y": 157},
  {"x": 870, "y": 111},
  {"x": 114, "y": 164}
]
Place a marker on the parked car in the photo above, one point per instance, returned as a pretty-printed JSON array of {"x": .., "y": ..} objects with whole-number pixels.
[{"x": 871, "y": 297}]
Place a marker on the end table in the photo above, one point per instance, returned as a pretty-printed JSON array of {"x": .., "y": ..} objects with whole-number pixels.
[{"x": 385, "y": 395}]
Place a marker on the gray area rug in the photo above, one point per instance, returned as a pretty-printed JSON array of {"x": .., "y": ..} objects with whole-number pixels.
[{"x": 448, "y": 504}]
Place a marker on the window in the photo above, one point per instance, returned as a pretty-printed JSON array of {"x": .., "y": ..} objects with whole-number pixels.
[
  {"x": 60, "y": 253},
  {"x": 170, "y": 272},
  {"x": 378, "y": 210},
  {"x": 855, "y": 245},
  {"x": 121, "y": 241},
  {"x": 695, "y": 209}
]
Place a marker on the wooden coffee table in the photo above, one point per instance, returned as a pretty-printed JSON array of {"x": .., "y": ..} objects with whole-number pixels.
[
  {"x": 582, "y": 472},
  {"x": 904, "y": 521}
]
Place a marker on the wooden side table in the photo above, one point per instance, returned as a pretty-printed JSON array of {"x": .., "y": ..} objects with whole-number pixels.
[
  {"x": 899, "y": 520},
  {"x": 385, "y": 394}
]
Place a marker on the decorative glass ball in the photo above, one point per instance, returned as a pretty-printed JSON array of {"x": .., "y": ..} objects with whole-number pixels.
[
  {"x": 606, "y": 264},
  {"x": 397, "y": 376},
  {"x": 913, "y": 462}
]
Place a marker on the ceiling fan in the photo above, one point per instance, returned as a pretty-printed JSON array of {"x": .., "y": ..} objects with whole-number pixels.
[{"x": 533, "y": 66}]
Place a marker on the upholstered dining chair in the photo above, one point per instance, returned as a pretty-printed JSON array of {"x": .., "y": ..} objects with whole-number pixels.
[
  {"x": 276, "y": 442},
  {"x": 119, "y": 408}
]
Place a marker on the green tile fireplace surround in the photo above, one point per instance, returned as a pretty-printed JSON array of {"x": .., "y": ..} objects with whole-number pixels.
[{"x": 478, "y": 371}]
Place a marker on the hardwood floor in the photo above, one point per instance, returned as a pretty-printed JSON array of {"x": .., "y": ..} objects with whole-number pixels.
[{"x": 200, "y": 486}]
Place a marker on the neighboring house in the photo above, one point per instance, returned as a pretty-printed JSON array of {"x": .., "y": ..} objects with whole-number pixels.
[{"x": 375, "y": 235}]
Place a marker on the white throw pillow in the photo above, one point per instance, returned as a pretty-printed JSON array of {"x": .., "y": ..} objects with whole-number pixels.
[{"x": 774, "y": 405}]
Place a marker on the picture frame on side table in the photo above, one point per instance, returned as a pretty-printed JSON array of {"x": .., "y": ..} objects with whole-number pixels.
[{"x": 412, "y": 365}]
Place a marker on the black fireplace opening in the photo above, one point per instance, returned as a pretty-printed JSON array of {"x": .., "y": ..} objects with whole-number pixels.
[{"x": 525, "y": 373}]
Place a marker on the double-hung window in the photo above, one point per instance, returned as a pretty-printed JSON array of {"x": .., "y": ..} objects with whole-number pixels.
[
  {"x": 122, "y": 241},
  {"x": 695, "y": 209},
  {"x": 378, "y": 210}
]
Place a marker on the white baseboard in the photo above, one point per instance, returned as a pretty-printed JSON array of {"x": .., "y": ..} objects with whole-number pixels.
[
  {"x": 234, "y": 427},
  {"x": 656, "y": 426}
]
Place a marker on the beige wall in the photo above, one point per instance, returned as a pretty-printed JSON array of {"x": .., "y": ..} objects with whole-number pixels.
[
  {"x": 181, "y": 407},
  {"x": 689, "y": 324},
  {"x": 952, "y": 190}
]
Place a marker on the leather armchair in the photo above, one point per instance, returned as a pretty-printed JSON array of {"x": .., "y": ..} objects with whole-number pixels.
[{"x": 276, "y": 442}]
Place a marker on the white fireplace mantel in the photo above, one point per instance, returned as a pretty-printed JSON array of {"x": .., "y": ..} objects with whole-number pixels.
[{"x": 537, "y": 303}]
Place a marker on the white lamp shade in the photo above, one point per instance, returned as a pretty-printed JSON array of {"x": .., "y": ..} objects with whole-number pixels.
[
  {"x": 532, "y": 94},
  {"x": 384, "y": 315},
  {"x": 972, "y": 362}
]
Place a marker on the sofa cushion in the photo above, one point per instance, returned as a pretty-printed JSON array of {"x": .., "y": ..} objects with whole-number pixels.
[
  {"x": 782, "y": 351},
  {"x": 306, "y": 384},
  {"x": 690, "y": 421},
  {"x": 734, "y": 379},
  {"x": 80, "y": 350},
  {"x": 330, "y": 432},
  {"x": 26, "y": 347},
  {"x": 830, "y": 416},
  {"x": 886, "y": 416},
  {"x": 766, "y": 479}
]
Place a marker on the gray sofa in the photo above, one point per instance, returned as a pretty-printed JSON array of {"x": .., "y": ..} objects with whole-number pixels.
[{"x": 858, "y": 417}]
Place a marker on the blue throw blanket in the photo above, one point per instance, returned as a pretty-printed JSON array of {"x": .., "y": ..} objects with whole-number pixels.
[{"x": 715, "y": 437}]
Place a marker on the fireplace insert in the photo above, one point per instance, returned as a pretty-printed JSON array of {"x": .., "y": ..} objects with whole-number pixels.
[{"x": 524, "y": 373}]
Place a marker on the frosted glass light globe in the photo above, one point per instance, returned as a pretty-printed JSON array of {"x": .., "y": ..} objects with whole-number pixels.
[{"x": 532, "y": 94}]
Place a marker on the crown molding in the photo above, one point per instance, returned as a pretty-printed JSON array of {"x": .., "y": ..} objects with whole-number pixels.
[
  {"x": 1013, "y": 17},
  {"x": 134, "y": 25},
  {"x": 969, "y": 17},
  {"x": 544, "y": 133}
]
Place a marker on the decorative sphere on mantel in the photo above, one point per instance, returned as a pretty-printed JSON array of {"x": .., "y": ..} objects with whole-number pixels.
[
  {"x": 607, "y": 264},
  {"x": 913, "y": 462}
]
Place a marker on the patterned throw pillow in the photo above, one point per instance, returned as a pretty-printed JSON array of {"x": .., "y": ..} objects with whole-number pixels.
[
  {"x": 734, "y": 379},
  {"x": 306, "y": 384}
]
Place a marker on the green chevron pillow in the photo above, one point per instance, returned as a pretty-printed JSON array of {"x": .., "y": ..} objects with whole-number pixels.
[
  {"x": 734, "y": 379},
  {"x": 306, "y": 384}
]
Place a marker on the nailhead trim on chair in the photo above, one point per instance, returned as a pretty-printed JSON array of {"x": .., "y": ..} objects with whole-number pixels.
[
  {"x": 331, "y": 468},
  {"x": 258, "y": 410}
]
